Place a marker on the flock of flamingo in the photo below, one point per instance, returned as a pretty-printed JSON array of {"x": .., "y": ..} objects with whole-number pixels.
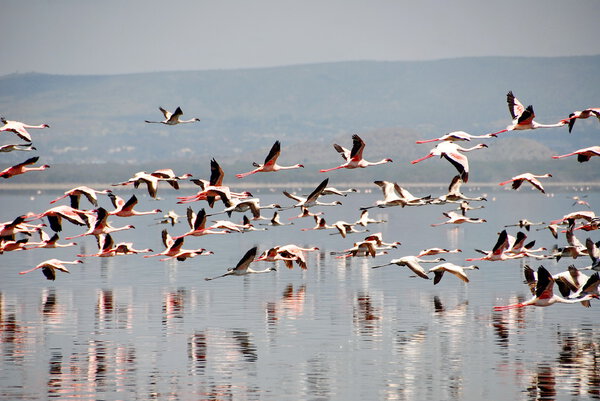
[{"x": 574, "y": 285}]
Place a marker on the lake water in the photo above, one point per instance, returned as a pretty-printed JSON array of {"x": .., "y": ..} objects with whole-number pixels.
[{"x": 126, "y": 327}]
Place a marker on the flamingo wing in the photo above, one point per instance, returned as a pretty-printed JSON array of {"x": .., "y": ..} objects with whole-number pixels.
[
  {"x": 357, "y": 148},
  {"x": 216, "y": 174},
  {"x": 271, "y": 158},
  {"x": 545, "y": 284},
  {"x": 244, "y": 263},
  {"x": 514, "y": 106}
]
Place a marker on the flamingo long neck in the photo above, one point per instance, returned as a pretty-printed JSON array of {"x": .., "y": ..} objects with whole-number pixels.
[
  {"x": 289, "y": 167},
  {"x": 535, "y": 125}
]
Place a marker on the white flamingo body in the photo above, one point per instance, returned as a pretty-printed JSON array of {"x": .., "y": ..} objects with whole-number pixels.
[
  {"x": 583, "y": 114},
  {"x": 125, "y": 209},
  {"x": 243, "y": 266},
  {"x": 50, "y": 266},
  {"x": 451, "y": 152},
  {"x": 456, "y": 136},
  {"x": 20, "y": 128},
  {"x": 354, "y": 158},
  {"x": 413, "y": 263},
  {"x": 173, "y": 118},
  {"x": 583, "y": 155},
  {"x": 458, "y": 271},
  {"x": 75, "y": 194},
  {"x": 529, "y": 177},
  {"x": 270, "y": 165}
]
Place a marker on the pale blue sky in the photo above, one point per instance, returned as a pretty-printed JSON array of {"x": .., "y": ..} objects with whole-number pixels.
[{"x": 118, "y": 36}]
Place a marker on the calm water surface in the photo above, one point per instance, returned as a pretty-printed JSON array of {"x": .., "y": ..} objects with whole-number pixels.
[{"x": 127, "y": 327}]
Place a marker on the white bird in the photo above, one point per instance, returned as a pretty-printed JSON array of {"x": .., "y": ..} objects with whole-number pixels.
[
  {"x": 270, "y": 164},
  {"x": 517, "y": 180},
  {"x": 457, "y": 136},
  {"x": 592, "y": 111},
  {"x": 458, "y": 271},
  {"x": 354, "y": 158},
  {"x": 412, "y": 262},
  {"x": 12, "y": 147},
  {"x": 523, "y": 116},
  {"x": 50, "y": 266},
  {"x": 243, "y": 266},
  {"x": 313, "y": 198},
  {"x": 173, "y": 118},
  {"x": 451, "y": 152},
  {"x": 19, "y": 128}
]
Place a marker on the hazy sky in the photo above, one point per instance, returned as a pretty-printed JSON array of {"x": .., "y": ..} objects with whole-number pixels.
[{"x": 120, "y": 36}]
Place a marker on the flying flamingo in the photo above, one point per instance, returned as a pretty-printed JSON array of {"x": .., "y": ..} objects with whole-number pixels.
[
  {"x": 365, "y": 219},
  {"x": 243, "y": 266},
  {"x": 243, "y": 205},
  {"x": 49, "y": 242},
  {"x": 12, "y": 147},
  {"x": 13, "y": 245},
  {"x": 56, "y": 214},
  {"x": 498, "y": 252},
  {"x": 354, "y": 157},
  {"x": 339, "y": 192},
  {"x": 544, "y": 293},
  {"x": 75, "y": 194},
  {"x": 458, "y": 271},
  {"x": 457, "y": 136},
  {"x": 173, "y": 118},
  {"x": 320, "y": 224},
  {"x": 437, "y": 251},
  {"x": 125, "y": 209},
  {"x": 523, "y": 117},
  {"x": 312, "y": 199},
  {"x": 455, "y": 195},
  {"x": 345, "y": 228},
  {"x": 413, "y": 263},
  {"x": 270, "y": 164},
  {"x": 305, "y": 213},
  {"x": 19, "y": 128},
  {"x": 22, "y": 168},
  {"x": 143, "y": 177},
  {"x": 455, "y": 218},
  {"x": 526, "y": 224},
  {"x": 583, "y": 155},
  {"x": 592, "y": 111},
  {"x": 451, "y": 152},
  {"x": 531, "y": 178},
  {"x": 99, "y": 225},
  {"x": 168, "y": 175},
  {"x": 197, "y": 223},
  {"x": 50, "y": 266}
]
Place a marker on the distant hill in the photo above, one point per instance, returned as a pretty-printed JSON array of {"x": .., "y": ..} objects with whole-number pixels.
[{"x": 99, "y": 119}]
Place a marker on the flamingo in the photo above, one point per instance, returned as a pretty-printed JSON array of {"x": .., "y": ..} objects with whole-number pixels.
[
  {"x": 354, "y": 158},
  {"x": 592, "y": 111},
  {"x": 125, "y": 209},
  {"x": 22, "y": 168},
  {"x": 19, "y": 128},
  {"x": 455, "y": 195},
  {"x": 378, "y": 239},
  {"x": 365, "y": 219},
  {"x": 312, "y": 199},
  {"x": 243, "y": 205},
  {"x": 243, "y": 266},
  {"x": 395, "y": 195},
  {"x": 451, "y": 152},
  {"x": 583, "y": 155},
  {"x": 247, "y": 226},
  {"x": 296, "y": 252},
  {"x": 171, "y": 218},
  {"x": 320, "y": 224},
  {"x": 12, "y": 147},
  {"x": 458, "y": 271},
  {"x": 465, "y": 206},
  {"x": 517, "y": 180},
  {"x": 413, "y": 263},
  {"x": 274, "y": 254},
  {"x": 305, "y": 213},
  {"x": 197, "y": 225},
  {"x": 50, "y": 242},
  {"x": 143, "y": 177},
  {"x": 526, "y": 224},
  {"x": 455, "y": 218},
  {"x": 276, "y": 221},
  {"x": 75, "y": 194},
  {"x": 50, "y": 266},
  {"x": 168, "y": 175},
  {"x": 173, "y": 118},
  {"x": 363, "y": 248},
  {"x": 570, "y": 281},
  {"x": 593, "y": 249},
  {"x": 437, "y": 251},
  {"x": 456, "y": 136},
  {"x": 56, "y": 214},
  {"x": 339, "y": 192},
  {"x": 100, "y": 225},
  {"x": 270, "y": 164},
  {"x": 544, "y": 293},
  {"x": 498, "y": 252},
  {"x": 13, "y": 245},
  {"x": 345, "y": 228},
  {"x": 523, "y": 117}
]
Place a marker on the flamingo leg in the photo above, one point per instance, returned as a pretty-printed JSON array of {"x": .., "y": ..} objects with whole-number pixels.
[
  {"x": 421, "y": 159},
  {"x": 428, "y": 140},
  {"x": 333, "y": 168}
]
